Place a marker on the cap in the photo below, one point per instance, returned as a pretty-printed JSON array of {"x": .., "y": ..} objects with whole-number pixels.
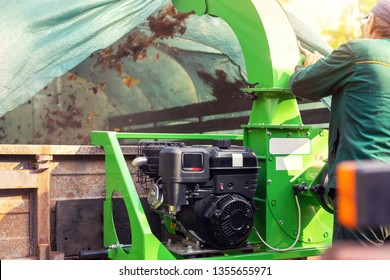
[{"x": 382, "y": 10}]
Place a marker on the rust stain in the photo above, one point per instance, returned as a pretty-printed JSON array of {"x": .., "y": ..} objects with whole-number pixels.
[
  {"x": 43, "y": 213},
  {"x": 15, "y": 247},
  {"x": 80, "y": 175},
  {"x": 70, "y": 195},
  {"x": 72, "y": 77},
  {"x": 90, "y": 116}
]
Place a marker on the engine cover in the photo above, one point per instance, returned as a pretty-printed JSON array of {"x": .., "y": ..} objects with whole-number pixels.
[
  {"x": 208, "y": 190},
  {"x": 197, "y": 171},
  {"x": 221, "y": 221}
]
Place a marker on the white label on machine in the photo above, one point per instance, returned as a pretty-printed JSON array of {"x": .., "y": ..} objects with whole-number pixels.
[
  {"x": 237, "y": 160},
  {"x": 289, "y": 163},
  {"x": 289, "y": 146}
]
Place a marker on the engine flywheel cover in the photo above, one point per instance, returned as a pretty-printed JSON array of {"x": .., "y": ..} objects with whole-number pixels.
[{"x": 231, "y": 221}]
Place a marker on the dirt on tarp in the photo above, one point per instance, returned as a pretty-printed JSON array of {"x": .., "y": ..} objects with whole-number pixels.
[
  {"x": 163, "y": 25},
  {"x": 221, "y": 87}
]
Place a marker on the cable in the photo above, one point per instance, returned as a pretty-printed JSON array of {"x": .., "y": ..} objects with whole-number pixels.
[{"x": 296, "y": 240}]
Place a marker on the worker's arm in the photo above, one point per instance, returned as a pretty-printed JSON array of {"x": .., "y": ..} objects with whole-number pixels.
[{"x": 324, "y": 77}]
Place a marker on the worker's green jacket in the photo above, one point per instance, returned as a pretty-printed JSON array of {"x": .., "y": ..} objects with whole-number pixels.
[{"x": 357, "y": 75}]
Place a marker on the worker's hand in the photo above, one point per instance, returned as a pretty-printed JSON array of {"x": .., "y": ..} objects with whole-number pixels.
[{"x": 310, "y": 57}]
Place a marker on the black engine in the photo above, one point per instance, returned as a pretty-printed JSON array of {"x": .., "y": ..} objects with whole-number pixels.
[{"x": 207, "y": 190}]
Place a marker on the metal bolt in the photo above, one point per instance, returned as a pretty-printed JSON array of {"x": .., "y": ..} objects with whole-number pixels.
[
  {"x": 269, "y": 182},
  {"x": 281, "y": 222},
  {"x": 115, "y": 246},
  {"x": 326, "y": 235},
  {"x": 273, "y": 202},
  {"x": 269, "y": 133},
  {"x": 295, "y": 232},
  {"x": 249, "y": 130},
  {"x": 270, "y": 158},
  {"x": 321, "y": 134},
  {"x": 308, "y": 134},
  {"x": 189, "y": 249},
  {"x": 310, "y": 239}
]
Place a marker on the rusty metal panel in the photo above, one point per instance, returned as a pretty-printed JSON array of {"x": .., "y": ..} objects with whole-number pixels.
[
  {"x": 79, "y": 226},
  {"x": 81, "y": 177},
  {"x": 15, "y": 224},
  {"x": 42, "y": 212},
  {"x": 57, "y": 150},
  {"x": 20, "y": 179},
  {"x": 34, "y": 178},
  {"x": 77, "y": 177}
]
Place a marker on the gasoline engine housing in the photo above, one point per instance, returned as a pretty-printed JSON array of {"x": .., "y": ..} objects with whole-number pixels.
[{"x": 209, "y": 189}]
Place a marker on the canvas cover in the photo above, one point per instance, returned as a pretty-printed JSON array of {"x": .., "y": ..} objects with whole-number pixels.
[{"x": 43, "y": 39}]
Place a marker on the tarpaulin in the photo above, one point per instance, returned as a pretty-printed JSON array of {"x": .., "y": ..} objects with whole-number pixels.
[{"x": 43, "y": 39}]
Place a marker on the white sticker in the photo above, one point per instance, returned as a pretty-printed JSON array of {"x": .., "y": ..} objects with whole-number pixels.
[
  {"x": 237, "y": 160},
  {"x": 289, "y": 163},
  {"x": 289, "y": 146}
]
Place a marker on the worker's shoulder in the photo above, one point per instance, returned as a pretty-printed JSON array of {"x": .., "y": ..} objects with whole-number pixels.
[
  {"x": 366, "y": 42},
  {"x": 362, "y": 45}
]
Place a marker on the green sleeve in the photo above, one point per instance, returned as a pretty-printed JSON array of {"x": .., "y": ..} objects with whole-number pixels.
[{"x": 325, "y": 77}]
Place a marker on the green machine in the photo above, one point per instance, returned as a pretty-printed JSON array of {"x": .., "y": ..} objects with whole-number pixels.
[{"x": 258, "y": 200}]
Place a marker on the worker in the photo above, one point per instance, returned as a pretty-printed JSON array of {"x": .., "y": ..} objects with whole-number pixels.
[{"x": 357, "y": 76}]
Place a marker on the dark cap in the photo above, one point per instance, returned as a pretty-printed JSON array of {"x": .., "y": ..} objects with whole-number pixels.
[{"x": 382, "y": 10}]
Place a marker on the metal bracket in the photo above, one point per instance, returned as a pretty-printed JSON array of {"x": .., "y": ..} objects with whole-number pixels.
[{"x": 43, "y": 162}]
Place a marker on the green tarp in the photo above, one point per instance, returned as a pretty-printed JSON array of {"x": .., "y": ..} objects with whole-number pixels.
[{"x": 43, "y": 39}]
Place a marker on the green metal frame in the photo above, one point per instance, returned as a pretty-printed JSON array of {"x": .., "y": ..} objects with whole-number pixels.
[
  {"x": 118, "y": 179},
  {"x": 271, "y": 53}
]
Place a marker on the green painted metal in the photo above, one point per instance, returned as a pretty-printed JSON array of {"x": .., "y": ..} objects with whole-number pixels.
[
  {"x": 184, "y": 136},
  {"x": 292, "y": 254},
  {"x": 145, "y": 245},
  {"x": 277, "y": 211},
  {"x": 270, "y": 50},
  {"x": 271, "y": 53},
  {"x": 118, "y": 179}
]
